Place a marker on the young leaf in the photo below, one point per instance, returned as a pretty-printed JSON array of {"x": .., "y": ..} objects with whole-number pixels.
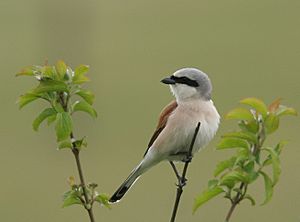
[
  {"x": 42, "y": 116},
  {"x": 275, "y": 164},
  {"x": 70, "y": 198},
  {"x": 274, "y": 105},
  {"x": 50, "y": 85},
  {"x": 206, "y": 196},
  {"x": 228, "y": 142},
  {"x": 63, "y": 126},
  {"x": 79, "y": 75},
  {"x": 51, "y": 119},
  {"x": 212, "y": 183},
  {"x": 280, "y": 146},
  {"x": 27, "y": 98},
  {"x": 103, "y": 199},
  {"x": 65, "y": 144},
  {"x": 271, "y": 123},
  {"x": 85, "y": 107},
  {"x": 61, "y": 68},
  {"x": 240, "y": 114},
  {"x": 49, "y": 71},
  {"x": 81, "y": 70},
  {"x": 248, "y": 126},
  {"x": 226, "y": 164},
  {"x": 257, "y": 104},
  {"x": 88, "y": 96},
  {"x": 268, "y": 187},
  {"x": 233, "y": 177},
  {"x": 27, "y": 71},
  {"x": 250, "y": 137},
  {"x": 283, "y": 110},
  {"x": 79, "y": 143},
  {"x": 249, "y": 197}
]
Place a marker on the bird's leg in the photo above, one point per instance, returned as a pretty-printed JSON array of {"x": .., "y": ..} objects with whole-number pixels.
[
  {"x": 175, "y": 170},
  {"x": 181, "y": 180}
]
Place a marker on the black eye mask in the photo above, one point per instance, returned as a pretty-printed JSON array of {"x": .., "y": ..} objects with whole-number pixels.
[{"x": 185, "y": 80}]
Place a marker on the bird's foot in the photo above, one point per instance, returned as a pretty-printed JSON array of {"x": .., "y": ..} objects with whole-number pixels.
[{"x": 181, "y": 182}]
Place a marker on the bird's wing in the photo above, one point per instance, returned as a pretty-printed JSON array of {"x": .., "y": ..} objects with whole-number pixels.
[{"x": 162, "y": 121}]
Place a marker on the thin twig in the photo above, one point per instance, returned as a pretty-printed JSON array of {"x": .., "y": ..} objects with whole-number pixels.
[
  {"x": 88, "y": 206},
  {"x": 87, "y": 202},
  {"x": 182, "y": 179}
]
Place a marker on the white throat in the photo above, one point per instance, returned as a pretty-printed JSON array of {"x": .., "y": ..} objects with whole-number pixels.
[{"x": 184, "y": 93}]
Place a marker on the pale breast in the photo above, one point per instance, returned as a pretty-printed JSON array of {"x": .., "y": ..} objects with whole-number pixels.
[{"x": 181, "y": 125}]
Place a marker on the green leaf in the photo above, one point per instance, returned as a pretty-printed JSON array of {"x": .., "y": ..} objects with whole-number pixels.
[
  {"x": 26, "y": 99},
  {"x": 275, "y": 164},
  {"x": 88, "y": 96},
  {"x": 27, "y": 71},
  {"x": 79, "y": 143},
  {"x": 249, "y": 168},
  {"x": 103, "y": 199},
  {"x": 250, "y": 137},
  {"x": 51, "y": 119},
  {"x": 70, "y": 198},
  {"x": 280, "y": 146},
  {"x": 226, "y": 164},
  {"x": 65, "y": 144},
  {"x": 268, "y": 187},
  {"x": 228, "y": 142},
  {"x": 240, "y": 114},
  {"x": 249, "y": 197},
  {"x": 81, "y": 70},
  {"x": 271, "y": 123},
  {"x": 212, "y": 183},
  {"x": 42, "y": 116},
  {"x": 206, "y": 196},
  {"x": 49, "y": 71},
  {"x": 257, "y": 104},
  {"x": 50, "y": 85},
  {"x": 283, "y": 110},
  {"x": 61, "y": 68},
  {"x": 79, "y": 75},
  {"x": 248, "y": 126},
  {"x": 63, "y": 126},
  {"x": 85, "y": 107},
  {"x": 233, "y": 177}
]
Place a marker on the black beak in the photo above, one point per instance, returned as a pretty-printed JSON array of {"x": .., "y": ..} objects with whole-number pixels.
[{"x": 168, "y": 80}]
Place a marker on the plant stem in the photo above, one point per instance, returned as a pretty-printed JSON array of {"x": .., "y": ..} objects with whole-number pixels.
[
  {"x": 254, "y": 151},
  {"x": 87, "y": 204},
  {"x": 182, "y": 179},
  {"x": 237, "y": 199}
]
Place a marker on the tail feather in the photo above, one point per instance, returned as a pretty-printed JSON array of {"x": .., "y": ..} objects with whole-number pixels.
[{"x": 131, "y": 179}]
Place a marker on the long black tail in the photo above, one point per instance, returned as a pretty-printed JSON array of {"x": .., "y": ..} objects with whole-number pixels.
[{"x": 121, "y": 191}]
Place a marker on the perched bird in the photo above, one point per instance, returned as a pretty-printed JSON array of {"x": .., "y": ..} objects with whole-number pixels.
[{"x": 177, "y": 122}]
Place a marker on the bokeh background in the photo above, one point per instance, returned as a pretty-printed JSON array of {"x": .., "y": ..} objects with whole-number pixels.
[{"x": 248, "y": 48}]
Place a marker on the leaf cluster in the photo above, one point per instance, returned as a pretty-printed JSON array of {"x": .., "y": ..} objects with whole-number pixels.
[
  {"x": 76, "y": 195},
  {"x": 61, "y": 88},
  {"x": 252, "y": 157}
]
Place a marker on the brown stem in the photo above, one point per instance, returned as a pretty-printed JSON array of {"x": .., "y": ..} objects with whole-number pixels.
[
  {"x": 237, "y": 199},
  {"x": 182, "y": 178},
  {"x": 88, "y": 205},
  {"x": 87, "y": 202}
]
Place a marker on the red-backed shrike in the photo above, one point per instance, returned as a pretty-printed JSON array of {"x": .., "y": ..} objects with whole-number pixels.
[{"x": 176, "y": 126}]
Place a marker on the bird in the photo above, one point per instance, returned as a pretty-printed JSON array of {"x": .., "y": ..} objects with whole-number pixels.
[{"x": 170, "y": 141}]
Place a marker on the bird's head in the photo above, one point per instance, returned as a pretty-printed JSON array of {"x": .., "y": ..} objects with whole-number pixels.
[{"x": 189, "y": 83}]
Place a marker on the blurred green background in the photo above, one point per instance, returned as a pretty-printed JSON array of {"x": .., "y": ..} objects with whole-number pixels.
[{"x": 248, "y": 48}]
